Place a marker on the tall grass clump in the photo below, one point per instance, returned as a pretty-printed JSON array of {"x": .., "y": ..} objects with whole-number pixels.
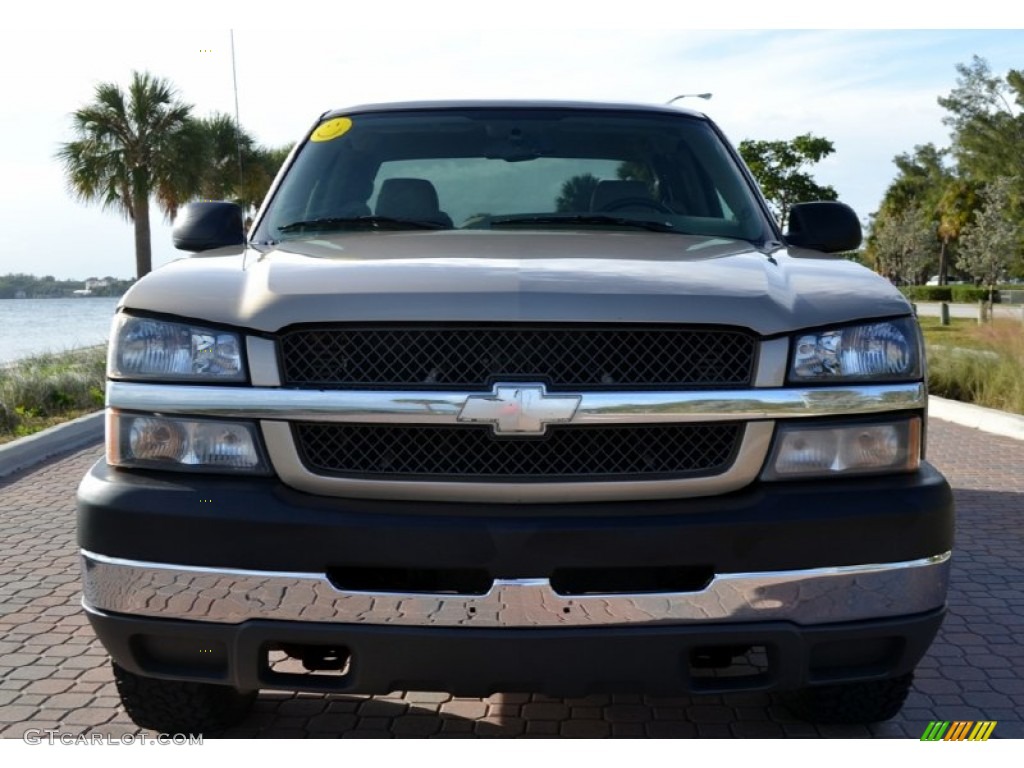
[
  {"x": 992, "y": 376},
  {"x": 44, "y": 389}
]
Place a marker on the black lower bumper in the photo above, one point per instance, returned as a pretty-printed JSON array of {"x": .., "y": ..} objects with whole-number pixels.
[
  {"x": 262, "y": 524},
  {"x": 656, "y": 660}
]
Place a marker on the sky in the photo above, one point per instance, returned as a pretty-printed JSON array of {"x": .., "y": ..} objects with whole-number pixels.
[{"x": 872, "y": 92}]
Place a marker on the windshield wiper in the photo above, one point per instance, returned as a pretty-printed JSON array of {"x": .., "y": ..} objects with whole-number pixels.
[
  {"x": 590, "y": 218},
  {"x": 354, "y": 222}
]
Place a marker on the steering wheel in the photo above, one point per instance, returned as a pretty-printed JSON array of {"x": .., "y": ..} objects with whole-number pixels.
[{"x": 635, "y": 202}]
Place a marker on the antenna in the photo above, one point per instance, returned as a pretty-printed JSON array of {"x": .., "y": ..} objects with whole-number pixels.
[{"x": 238, "y": 122}]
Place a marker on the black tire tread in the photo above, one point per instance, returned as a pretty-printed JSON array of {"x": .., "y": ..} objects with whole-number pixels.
[
  {"x": 849, "y": 703},
  {"x": 174, "y": 706}
]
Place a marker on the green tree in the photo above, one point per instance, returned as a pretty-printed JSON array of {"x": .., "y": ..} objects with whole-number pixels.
[
  {"x": 904, "y": 243},
  {"x": 920, "y": 178},
  {"x": 780, "y": 167},
  {"x": 955, "y": 208},
  {"x": 130, "y": 147},
  {"x": 986, "y": 115},
  {"x": 576, "y": 193},
  {"x": 925, "y": 181},
  {"x": 988, "y": 245}
]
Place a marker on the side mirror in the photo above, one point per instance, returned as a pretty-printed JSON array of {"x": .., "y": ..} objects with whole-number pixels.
[
  {"x": 204, "y": 226},
  {"x": 824, "y": 226}
]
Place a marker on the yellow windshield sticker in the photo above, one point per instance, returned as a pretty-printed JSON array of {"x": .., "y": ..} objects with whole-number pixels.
[{"x": 332, "y": 129}]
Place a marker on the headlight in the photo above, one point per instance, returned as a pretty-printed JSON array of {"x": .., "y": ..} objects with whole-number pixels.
[
  {"x": 160, "y": 442},
  {"x": 143, "y": 348},
  {"x": 805, "y": 451},
  {"x": 878, "y": 351}
]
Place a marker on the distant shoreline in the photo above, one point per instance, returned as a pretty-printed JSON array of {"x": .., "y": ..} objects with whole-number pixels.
[
  {"x": 92, "y": 296},
  {"x": 36, "y": 326}
]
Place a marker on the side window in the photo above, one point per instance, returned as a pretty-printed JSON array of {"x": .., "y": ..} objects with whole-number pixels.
[{"x": 726, "y": 210}]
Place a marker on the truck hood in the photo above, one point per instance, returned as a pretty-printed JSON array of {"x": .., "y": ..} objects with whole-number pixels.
[{"x": 550, "y": 276}]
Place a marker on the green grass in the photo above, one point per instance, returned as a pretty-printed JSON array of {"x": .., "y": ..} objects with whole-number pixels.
[
  {"x": 40, "y": 391},
  {"x": 980, "y": 364},
  {"x": 960, "y": 332}
]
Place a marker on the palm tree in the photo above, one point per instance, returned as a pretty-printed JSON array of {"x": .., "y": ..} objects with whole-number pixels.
[
  {"x": 226, "y": 147},
  {"x": 960, "y": 199},
  {"x": 133, "y": 147},
  {"x": 261, "y": 166}
]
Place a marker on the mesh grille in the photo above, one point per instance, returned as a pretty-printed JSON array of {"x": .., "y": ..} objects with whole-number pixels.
[
  {"x": 474, "y": 358},
  {"x": 474, "y": 452}
]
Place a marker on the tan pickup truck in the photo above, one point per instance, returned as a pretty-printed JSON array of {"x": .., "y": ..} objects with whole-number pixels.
[{"x": 514, "y": 396}]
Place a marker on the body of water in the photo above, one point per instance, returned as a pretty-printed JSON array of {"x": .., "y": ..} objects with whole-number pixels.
[{"x": 31, "y": 326}]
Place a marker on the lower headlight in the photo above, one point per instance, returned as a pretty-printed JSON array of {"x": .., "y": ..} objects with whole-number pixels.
[
  {"x": 188, "y": 445},
  {"x": 828, "y": 450}
]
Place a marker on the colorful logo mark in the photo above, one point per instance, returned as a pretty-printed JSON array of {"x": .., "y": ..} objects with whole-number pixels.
[
  {"x": 332, "y": 129},
  {"x": 958, "y": 730}
]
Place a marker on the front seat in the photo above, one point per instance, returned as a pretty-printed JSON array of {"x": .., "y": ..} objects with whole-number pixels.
[
  {"x": 607, "y": 194},
  {"x": 410, "y": 199}
]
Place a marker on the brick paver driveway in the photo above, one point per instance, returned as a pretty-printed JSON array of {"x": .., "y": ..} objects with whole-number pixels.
[{"x": 55, "y": 675}]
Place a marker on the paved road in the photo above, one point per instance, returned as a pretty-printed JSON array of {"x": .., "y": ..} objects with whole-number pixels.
[
  {"x": 1002, "y": 311},
  {"x": 54, "y": 674}
]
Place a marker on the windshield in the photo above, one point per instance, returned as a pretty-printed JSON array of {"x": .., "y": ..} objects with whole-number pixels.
[{"x": 506, "y": 168}]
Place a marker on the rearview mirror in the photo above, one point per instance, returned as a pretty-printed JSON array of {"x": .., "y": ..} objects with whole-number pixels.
[
  {"x": 204, "y": 226},
  {"x": 824, "y": 226}
]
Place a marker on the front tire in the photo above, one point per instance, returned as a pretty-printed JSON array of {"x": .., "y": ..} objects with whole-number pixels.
[
  {"x": 174, "y": 706},
  {"x": 867, "y": 702}
]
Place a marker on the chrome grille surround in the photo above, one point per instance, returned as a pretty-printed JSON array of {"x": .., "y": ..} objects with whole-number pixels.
[{"x": 749, "y": 457}]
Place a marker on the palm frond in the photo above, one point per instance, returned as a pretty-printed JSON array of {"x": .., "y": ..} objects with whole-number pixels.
[{"x": 132, "y": 144}]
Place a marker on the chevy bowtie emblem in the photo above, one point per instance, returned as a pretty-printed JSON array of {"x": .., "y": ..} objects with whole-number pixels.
[{"x": 520, "y": 409}]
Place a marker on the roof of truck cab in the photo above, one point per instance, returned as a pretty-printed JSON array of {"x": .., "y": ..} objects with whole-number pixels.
[{"x": 414, "y": 106}]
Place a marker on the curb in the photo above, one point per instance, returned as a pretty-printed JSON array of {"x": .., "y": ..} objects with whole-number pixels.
[
  {"x": 70, "y": 436},
  {"x": 976, "y": 416}
]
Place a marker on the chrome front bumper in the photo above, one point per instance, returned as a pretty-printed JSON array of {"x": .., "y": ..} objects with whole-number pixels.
[{"x": 228, "y": 596}]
